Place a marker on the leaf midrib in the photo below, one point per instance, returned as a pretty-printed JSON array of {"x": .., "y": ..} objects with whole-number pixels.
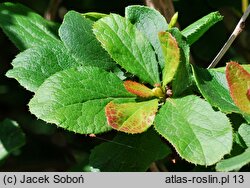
[
  {"x": 82, "y": 102},
  {"x": 133, "y": 114},
  {"x": 127, "y": 49},
  {"x": 191, "y": 128}
]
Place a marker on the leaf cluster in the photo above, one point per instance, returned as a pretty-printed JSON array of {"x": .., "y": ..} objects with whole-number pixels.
[{"x": 75, "y": 75}]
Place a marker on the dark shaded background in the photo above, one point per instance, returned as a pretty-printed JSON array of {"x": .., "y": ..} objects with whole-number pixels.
[{"x": 52, "y": 149}]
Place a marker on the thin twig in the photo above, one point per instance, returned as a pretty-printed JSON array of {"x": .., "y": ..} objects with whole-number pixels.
[
  {"x": 154, "y": 168},
  {"x": 50, "y": 14},
  {"x": 162, "y": 167},
  {"x": 238, "y": 29}
]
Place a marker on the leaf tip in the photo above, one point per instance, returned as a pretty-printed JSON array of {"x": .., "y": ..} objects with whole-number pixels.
[
  {"x": 138, "y": 89},
  {"x": 111, "y": 115}
]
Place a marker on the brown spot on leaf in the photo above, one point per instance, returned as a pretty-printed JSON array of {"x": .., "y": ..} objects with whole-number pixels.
[{"x": 131, "y": 117}]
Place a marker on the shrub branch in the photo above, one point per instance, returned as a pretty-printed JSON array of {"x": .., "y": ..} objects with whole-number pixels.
[{"x": 238, "y": 29}]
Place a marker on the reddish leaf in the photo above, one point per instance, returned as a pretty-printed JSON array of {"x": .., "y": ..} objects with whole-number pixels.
[
  {"x": 131, "y": 117},
  {"x": 171, "y": 54},
  {"x": 239, "y": 84},
  {"x": 138, "y": 89}
]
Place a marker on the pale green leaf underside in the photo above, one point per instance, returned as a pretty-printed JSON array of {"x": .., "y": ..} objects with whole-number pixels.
[
  {"x": 234, "y": 163},
  {"x": 77, "y": 35},
  {"x": 75, "y": 99},
  {"x": 24, "y": 27},
  {"x": 194, "y": 31},
  {"x": 33, "y": 66},
  {"x": 244, "y": 131},
  {"x": 128, "y": 47},
  {"x": 150, "y": 22},
  {"x": 11, "y": 137},
  {"x": 129, "y": 153},
  {"x": 198, "y": 133},
  {"x": 94, "y": 16}
]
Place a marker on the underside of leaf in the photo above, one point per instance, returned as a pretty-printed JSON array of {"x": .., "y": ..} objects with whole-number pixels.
[
  {"x": 94, "y": 16},
  {"x": 244, "y": 132},
  {"x": 138, "y": 89},
  {"x": 234, "y": 163},
  {"x": 131, "y": 117},
  {"x": 239, "y": 84}
]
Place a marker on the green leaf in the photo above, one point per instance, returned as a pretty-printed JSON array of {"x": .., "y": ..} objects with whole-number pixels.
[
  {"x": 247, "y": 117},
  {"x": 129, "y": 153},
  {"x": 238, "y": 143},
  {"x": 11, "y": 137},
  {"x": 171, "y": 54},
  {"x": 214, "y": 88},
  {"x": 131, "y": 117},
  {"x": 199, "y": 134},
  {"x": 94, "y": 16},
  {"x": 128, "y": 47},
  {"x": 77, "y": 35},
  {"x": 223, "y": 69},
  {"x": 244, "y": 132},
  {"x": 194, "y": 31},
  {"x": 24, "y": 27},
  {"x": 33, "y": 66},
  {"x": 75, "y": 99},
  {"x": 239, "y": 85},
  {"x": 150, "y": 22},
  {"x": 183, "y": 78},
  {"x": 138, "y": 89},
  {"x": 234, "y": 163}
]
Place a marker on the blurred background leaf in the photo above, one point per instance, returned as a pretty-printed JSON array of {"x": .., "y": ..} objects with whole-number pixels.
[{"x": 11, "y": 138}]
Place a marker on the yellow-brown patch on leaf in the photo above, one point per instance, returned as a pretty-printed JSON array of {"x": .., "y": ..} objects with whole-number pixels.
[{"x": 239, "y": 85}]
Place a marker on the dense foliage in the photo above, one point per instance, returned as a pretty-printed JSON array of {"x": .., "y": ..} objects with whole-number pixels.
[{"x": 100, "y": 72}]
